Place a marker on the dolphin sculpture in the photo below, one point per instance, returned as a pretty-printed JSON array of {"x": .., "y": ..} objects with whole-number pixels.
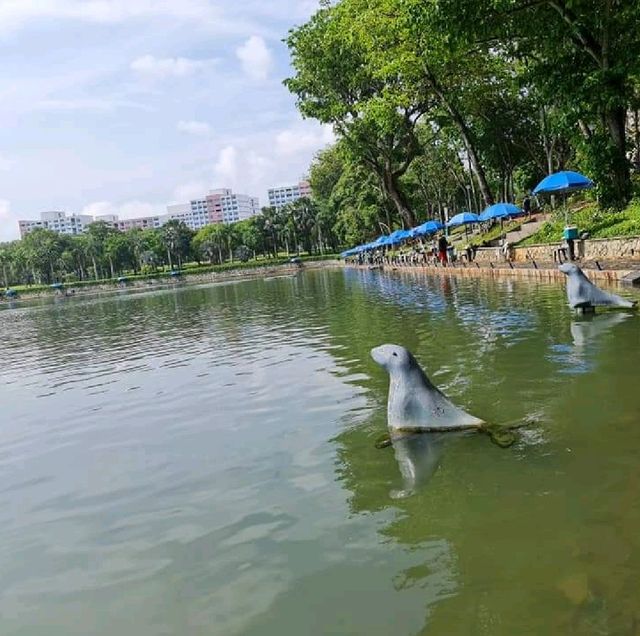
[
  {"x": 583, "y": 294},
  {"x": 414, "y": 404}
]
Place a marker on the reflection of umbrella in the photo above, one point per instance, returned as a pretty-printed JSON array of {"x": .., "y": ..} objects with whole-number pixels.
[
  {"x": 429, "y": 227},
  {"x": 500, "y": 211},
  {"x": 56, "y": 286},
  {"x": 463, "y": 219},
  {"x": 563, "y": 183}
]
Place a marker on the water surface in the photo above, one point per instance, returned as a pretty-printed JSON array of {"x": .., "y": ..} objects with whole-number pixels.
[{"x": 201, "y": 461}]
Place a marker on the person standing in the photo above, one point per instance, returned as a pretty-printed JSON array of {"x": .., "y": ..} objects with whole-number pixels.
[
  {"x": 526, "y": 206},
  {"x": 442, "y": 249}
]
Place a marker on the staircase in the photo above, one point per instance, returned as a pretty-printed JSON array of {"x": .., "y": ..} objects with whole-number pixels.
[{"x": 527, "y": 229}]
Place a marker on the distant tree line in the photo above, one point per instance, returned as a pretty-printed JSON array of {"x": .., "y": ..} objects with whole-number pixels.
[
  {"x": 45, "y": 257},
  {"x": 458, "y": 104}
]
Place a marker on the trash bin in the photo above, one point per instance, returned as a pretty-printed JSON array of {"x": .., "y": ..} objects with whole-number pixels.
[{"x": 570, "y": 233}]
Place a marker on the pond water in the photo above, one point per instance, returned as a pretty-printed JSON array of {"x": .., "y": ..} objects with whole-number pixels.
[{"x": 201, "y": 461}]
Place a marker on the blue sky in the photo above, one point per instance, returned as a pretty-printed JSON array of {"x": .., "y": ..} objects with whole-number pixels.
[{"x": 124, "y": 106}]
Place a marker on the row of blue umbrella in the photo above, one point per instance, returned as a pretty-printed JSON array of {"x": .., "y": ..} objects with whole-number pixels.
[
  {"x": 497, "y": 211},
  {"x": 563, "y": 182}
]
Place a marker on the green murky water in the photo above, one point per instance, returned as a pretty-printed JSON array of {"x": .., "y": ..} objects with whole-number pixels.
[{"x": 202, "y": 461}]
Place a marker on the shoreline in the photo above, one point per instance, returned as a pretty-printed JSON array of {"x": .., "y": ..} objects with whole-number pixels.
[
  {"x": 549, "y": 272},
  {"x": 186, "y": 280}
]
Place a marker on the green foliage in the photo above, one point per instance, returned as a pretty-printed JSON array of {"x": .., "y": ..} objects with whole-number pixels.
[
  {"x": 590, "y": 218},
  {"x": 454, "y": 104}
]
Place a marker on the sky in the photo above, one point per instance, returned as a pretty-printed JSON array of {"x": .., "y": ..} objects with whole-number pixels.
[{"x": 125, "y": 106}]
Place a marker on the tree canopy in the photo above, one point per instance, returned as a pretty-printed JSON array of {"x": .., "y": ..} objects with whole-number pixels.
[{"x": 449, "y": 104}]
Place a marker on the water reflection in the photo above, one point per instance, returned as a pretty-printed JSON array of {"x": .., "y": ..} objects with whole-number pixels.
[{"x": 202, "y": 460}]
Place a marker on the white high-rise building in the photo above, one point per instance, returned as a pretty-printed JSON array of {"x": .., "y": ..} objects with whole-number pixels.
[
  {"x": 58, "y": 221},
  {"x": 219, "y": 206},
  {"x": 230, "y": 207},
  {"x": 279, "y": 197},
  {"x": 193, "y": 214}
]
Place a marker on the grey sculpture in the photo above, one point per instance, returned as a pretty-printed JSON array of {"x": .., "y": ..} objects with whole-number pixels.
[
  {"x": 414, "y": 403},
  {"x": 584, "y": 295}
]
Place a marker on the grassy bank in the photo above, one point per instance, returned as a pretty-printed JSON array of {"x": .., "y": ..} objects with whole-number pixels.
[
  {"x": 190, "y": 269},
  {"x": 588, "y": 217}
]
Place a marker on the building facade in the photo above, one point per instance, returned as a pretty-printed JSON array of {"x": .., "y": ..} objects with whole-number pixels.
[
  {"x": 142, "y": 223},
  {"x": 219, "y": 206},
  {"x": 58, "y": 221},
  {"x": 279, "y": 197}
]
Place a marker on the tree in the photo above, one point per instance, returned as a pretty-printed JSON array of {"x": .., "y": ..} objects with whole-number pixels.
[
  {"x": 338, "y": 82},
  {"x": 579, "y": 54},
  {"x": 176, "y": 239},
  {"x": 210, "y": 241}
]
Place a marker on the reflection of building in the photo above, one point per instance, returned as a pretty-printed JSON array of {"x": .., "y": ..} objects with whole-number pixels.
[
  {"x": 279, "y": 197},
  {"x": 57, "y": 221}
]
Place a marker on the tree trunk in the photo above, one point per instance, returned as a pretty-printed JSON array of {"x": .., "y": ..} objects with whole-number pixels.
[
  {"x": 113, "y": 274},
  {"x": 395, "y": 194},
  {"x": 615, "y": 119},
  {"x": 465, "y": 134},
  {"x": 169, "y": 257}
]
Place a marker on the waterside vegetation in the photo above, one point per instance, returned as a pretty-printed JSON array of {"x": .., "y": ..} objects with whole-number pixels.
[
  {"x": 44, "y": 257},
  {"x": 454, "y": 105}
]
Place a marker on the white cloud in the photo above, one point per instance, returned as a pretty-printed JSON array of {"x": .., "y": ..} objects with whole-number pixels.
[
  {"x": 226, "y": 168},
  {"x": 196, "y": 128},
  {"x": 190, "y": 190},
  {"x": 88, "y": 103},
  {"x": 6, "y": 163},
  {"x": 303, "y": 139},
  {"x": 169, "y": 66},
  {"x": 8, "y": 222},
  {"x": 255, "y": 57},
  {"x": 14, "y": 13},
  {"x": 125, "y": 210}
]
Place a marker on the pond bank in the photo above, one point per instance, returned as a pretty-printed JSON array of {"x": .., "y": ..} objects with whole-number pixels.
[
  {"x": 203, "y": 278},
  {"x": 622, "y": 273}
]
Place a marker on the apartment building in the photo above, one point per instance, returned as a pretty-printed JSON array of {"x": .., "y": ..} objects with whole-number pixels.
[
  {"x": 279, "y": 197},
  {"x": 219, "y": 206},
  {"x": 58, "y": 221}
]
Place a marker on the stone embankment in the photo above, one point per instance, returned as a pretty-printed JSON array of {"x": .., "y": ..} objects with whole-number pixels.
[{"x": 614, "y": 260}]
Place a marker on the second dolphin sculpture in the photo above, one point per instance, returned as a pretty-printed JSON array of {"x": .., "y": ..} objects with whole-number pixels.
[{"x": 584, "y": 295}]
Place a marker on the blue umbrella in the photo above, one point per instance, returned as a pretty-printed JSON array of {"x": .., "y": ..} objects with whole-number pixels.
[
  {"x": 397, "y": 237},
  {"x": 462, "y": 219},
  {"x": 563, "y": 183},
  {"x": 428, "y": 227},
  {"x": 379, "y": 242},
  {"x": 499, "y": 211}
]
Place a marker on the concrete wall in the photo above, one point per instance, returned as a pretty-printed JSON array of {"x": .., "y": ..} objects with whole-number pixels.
[
  {"x": 612, "y": 249},
  {"x": 590, "y": 250}
]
